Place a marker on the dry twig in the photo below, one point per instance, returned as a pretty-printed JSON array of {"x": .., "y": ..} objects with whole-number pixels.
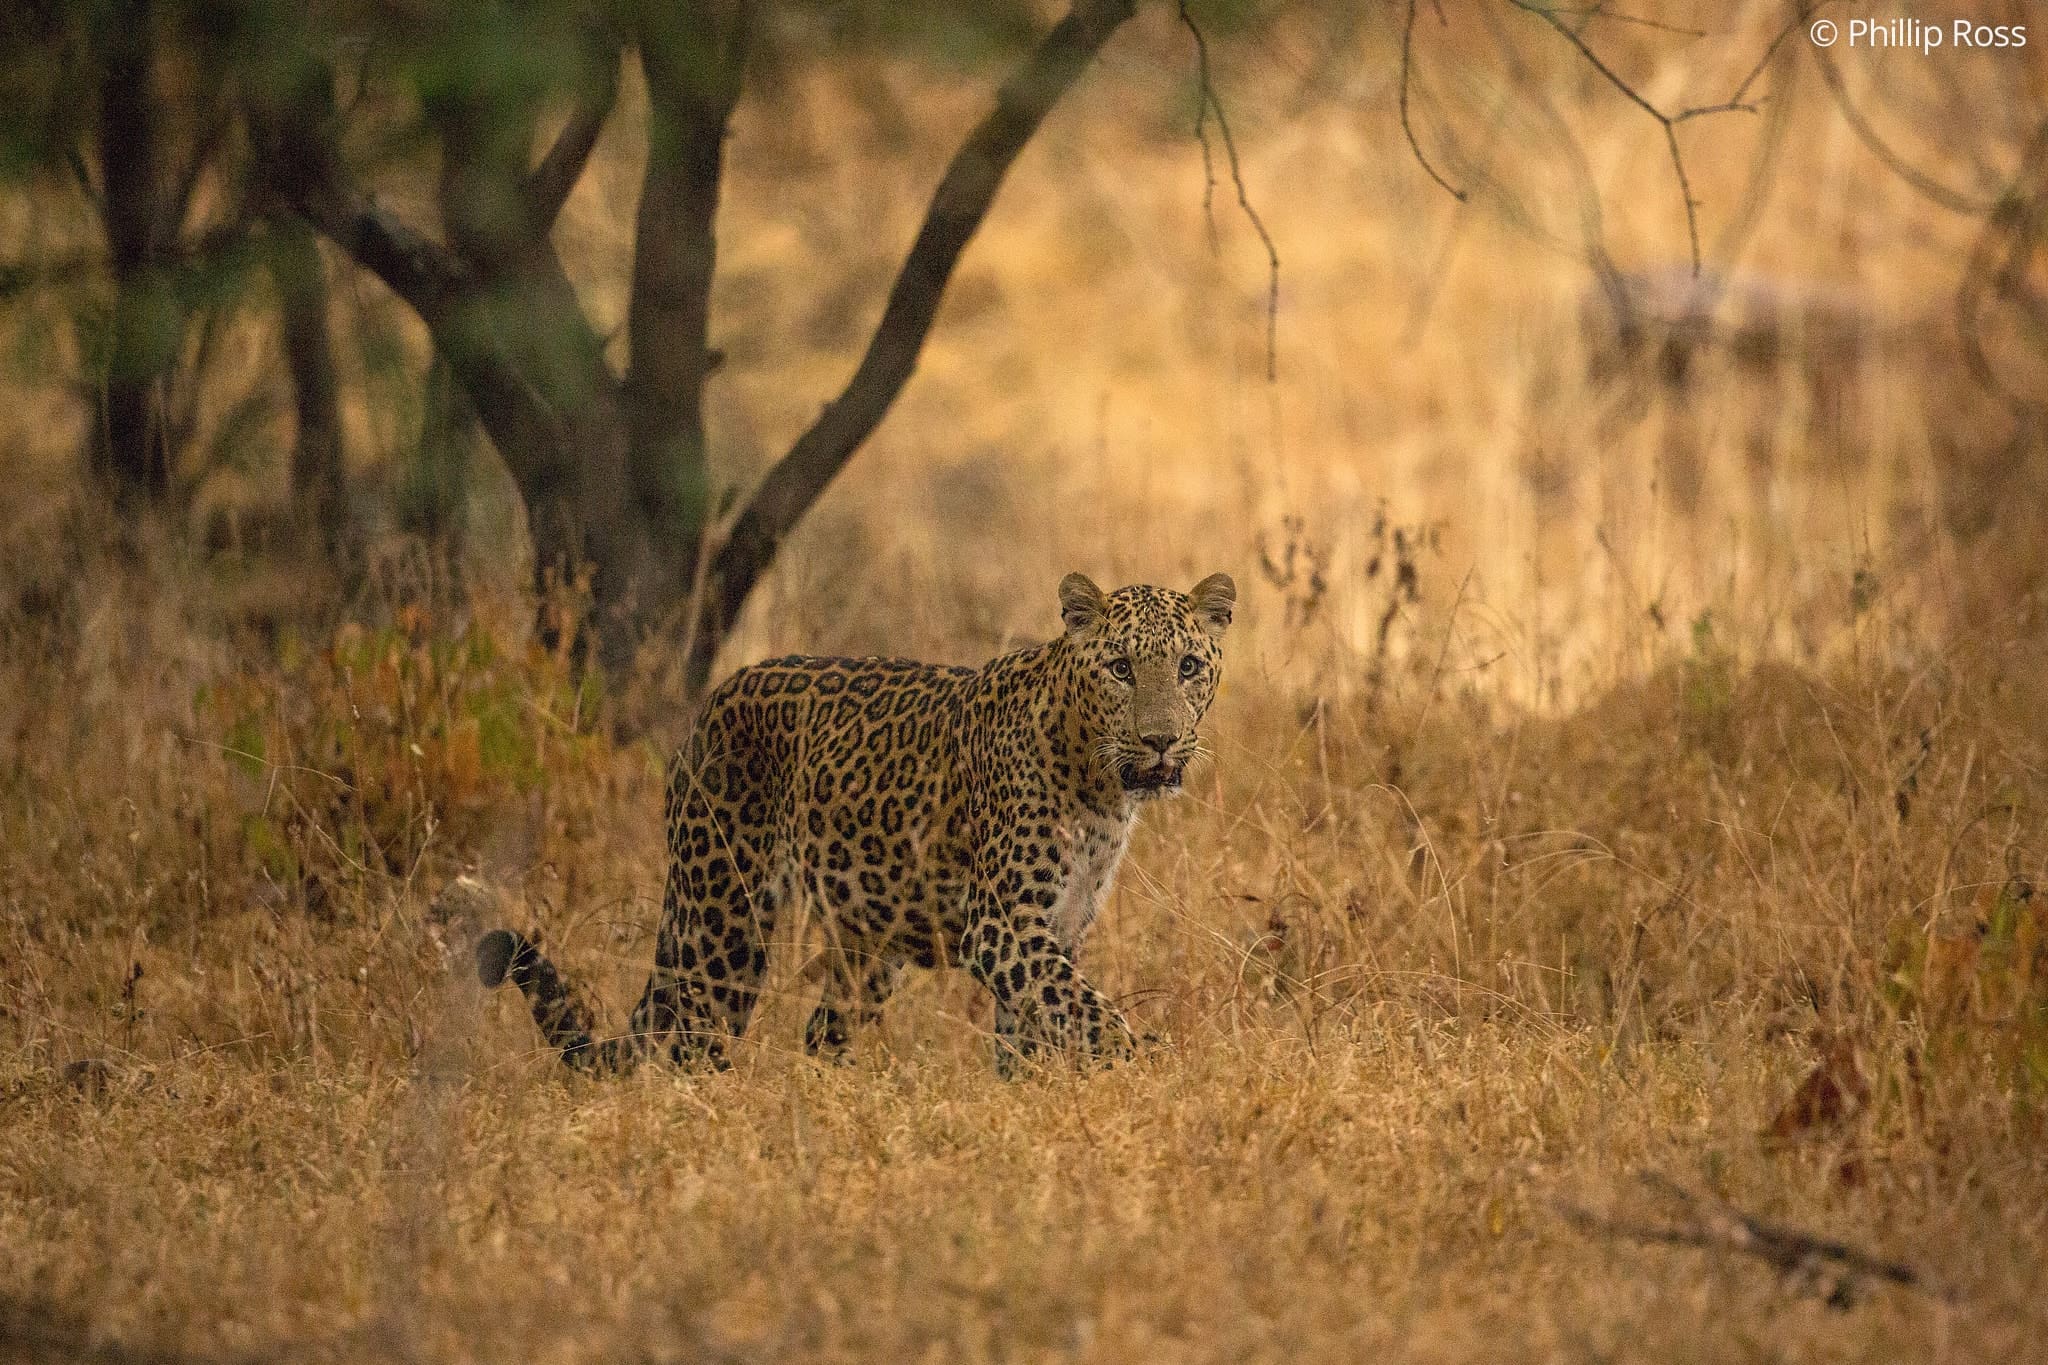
[
  {"x": 1996, "y": 275},
  {"x": 1407, "y": 127},
  {"x": 1206, "y": 104},
  {"x": 1955, "y": 201},
  {"x": 1735, "y": 103},
  {"x": 1835, "y": 1270}
]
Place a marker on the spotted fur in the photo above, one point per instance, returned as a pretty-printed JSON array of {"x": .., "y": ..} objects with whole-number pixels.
[{"x": 928, "y": 815}]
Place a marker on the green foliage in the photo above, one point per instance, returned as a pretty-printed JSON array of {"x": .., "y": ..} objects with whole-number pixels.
[
  {"x": 1709, "y": 689},
  {"x": 965, "y": 36},
  {"x": 354, "y": 758}
]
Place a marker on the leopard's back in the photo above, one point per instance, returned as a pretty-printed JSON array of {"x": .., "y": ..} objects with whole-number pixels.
[{"x": 844, "y": 774}]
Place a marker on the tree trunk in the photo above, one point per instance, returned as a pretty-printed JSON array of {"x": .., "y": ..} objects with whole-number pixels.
[
  {"x": 132, "y": 452},
  {"x": 536, "y": 376},
  {"x": 694, "y": 62},
  {"x": 612, "y": 472},
  {"x": 318, "y": 490},
  {"x": 517, "y": 337}
]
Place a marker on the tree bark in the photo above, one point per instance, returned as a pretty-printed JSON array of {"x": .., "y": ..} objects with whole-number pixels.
[
  {"x": 133, "y": 448},
  {"x": 613, "y": 472},
  {"x": 318, "y": 490},
  {"x": 694, "y": 59},
  {"x": 516, "y": 335}
]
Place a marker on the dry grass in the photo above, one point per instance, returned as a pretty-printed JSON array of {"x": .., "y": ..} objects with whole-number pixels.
[
  {"x": 1413, "y": 1015},
  {"x": 1684, "y": 817}
]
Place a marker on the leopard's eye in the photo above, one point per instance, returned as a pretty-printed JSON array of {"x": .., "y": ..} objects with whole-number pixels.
[
  {"x": 1190, "y": 665},
  {"x": 1120, "y": 669}
]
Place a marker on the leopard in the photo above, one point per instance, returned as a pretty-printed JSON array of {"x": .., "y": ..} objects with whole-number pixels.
[{"x": 926, "y": 815}]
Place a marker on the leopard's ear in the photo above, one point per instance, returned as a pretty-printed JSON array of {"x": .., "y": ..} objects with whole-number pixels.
[
  {"x": 1212, "y": 599},
  {"x": 1082, "y": 605}
]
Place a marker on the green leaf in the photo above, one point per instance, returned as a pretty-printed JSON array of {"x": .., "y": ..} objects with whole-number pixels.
[{"x": 246, "y": 747}]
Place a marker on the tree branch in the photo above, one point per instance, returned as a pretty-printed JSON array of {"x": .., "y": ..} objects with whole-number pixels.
[
  {"x": 1207, "y": 103},
  {"x": 1817, "y": 1263},
  {"x": 957, "y": 208},
  {"x": 1800, "y": 14},
  {"x": 424, "y": 273},
  {"x": 1607, "y": 274},
  {"x": 1933, "y": 190},
  {"x": 296, "y": 138},
  {"x": 1997, "y": 271},
  {"x": 550, "y": 183},
  {"x": 1668, "y": 122},
  {"x": 1407, "y": 127}
]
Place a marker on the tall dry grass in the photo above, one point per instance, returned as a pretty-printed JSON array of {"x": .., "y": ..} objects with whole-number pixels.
[
  {"x": 1615, "y": 771},
  {"x": 1429, "y": 975}
]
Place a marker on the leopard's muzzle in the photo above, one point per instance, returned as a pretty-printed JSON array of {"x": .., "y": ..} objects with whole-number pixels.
[{"x": 1161, "y": 776}]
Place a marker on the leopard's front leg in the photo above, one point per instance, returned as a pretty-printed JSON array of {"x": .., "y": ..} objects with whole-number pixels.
[{"x": 1041, "y": 997}]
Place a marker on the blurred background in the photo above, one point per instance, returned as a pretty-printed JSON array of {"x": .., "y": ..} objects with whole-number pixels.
[
  {"x": 1501, "y": 380},
  {"x": 1625, "y": 426}
]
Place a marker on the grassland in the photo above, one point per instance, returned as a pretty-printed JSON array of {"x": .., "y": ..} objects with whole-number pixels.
[
  {"x": 1434, "y": 976},
  {"x": 1666, "y": 798}
]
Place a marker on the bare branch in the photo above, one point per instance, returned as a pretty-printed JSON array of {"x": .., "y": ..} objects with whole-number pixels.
[
  {"x": 1208, "y": 167},
  {"x": 1692, "y": 218},
  {"x": 1669, "y": 122},
  {"x": 1703, "y": 110},
  {"x": 306, "y": 171},
  {"x": 1571, "y": 35},
  {"x": 1209, "y": 103},
  {"x": 1593, "y": 12},
  {"x": 1953, "y": 200},
  {"x": 1408, "y": 128},
  {"x": 1764, "y": 161},
  {"x": 1712, "y": 1225},
  {"x": 1800, "y": 14},
  {"x": 1614, "y": 286},
  {"x": 958, "y": 206},
  {"x": 1997, "y": 270},
  {"x": 550, "y": 184}
]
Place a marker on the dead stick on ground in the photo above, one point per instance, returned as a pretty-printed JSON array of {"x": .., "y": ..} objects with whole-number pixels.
[{"x": 1835, "y": 1269}]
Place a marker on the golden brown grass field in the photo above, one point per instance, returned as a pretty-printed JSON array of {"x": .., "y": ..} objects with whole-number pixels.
[{"x": 1629, "y": 779}]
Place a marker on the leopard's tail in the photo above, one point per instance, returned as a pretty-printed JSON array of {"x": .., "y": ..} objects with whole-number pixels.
[{"x": 564, "y": 1019}]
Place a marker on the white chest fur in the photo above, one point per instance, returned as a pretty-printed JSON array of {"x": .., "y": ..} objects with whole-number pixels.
[{"x": 1098, "y": 848}]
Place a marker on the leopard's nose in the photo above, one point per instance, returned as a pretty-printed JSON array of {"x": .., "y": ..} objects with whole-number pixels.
[{"x": 1158, "y": 743}]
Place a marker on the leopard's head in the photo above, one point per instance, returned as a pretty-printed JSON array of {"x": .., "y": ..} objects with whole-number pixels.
[{"x": 1145, "y": 662}]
